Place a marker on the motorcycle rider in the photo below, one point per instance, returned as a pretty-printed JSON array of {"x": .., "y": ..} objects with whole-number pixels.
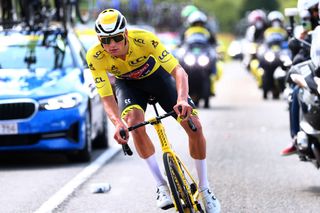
[
  {"x": 197, "y": 24},
  {"x": 308, "y": 11},
  {"x": 275, "y": 19},
  {"x": 254, "y": 35},
  {"x": 257, "y": 21}
]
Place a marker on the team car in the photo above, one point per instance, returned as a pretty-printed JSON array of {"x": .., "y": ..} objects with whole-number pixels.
[{"x": 48, "y": 99}]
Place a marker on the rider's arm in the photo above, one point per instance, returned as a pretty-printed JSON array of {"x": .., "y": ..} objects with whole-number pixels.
[
  {"x": 111, "y": 108},
  {"x": 181, "y": 78},
  {"x": 104, "y": 88}
]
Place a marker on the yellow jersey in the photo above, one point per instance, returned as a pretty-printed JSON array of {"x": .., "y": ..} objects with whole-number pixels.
[{"x": 145, "y": 55}]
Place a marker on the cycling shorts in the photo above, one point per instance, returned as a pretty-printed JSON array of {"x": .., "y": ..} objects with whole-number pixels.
[{"x": 135, "y": 93}]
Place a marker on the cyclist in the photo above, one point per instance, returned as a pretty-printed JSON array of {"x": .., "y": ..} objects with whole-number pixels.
[{"x": 143, "y": 67}]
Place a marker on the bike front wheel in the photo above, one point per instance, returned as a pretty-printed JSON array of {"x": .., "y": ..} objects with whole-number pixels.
[{"x": 179, "y": 190}]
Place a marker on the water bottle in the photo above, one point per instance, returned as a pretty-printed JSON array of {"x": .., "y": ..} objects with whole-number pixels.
[{"x": 100, "y": 187}]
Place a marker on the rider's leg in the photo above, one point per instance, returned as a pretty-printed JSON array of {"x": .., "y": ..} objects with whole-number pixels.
[
  {"x": 143, "y": 144},
  {"x": 146, "y": 151},
  {"x": 197, "y": 149}
]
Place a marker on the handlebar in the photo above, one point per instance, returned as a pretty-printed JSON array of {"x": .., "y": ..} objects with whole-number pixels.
[{"x": 126, "y": 148}]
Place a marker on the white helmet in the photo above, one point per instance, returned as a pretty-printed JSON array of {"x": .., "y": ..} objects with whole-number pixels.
[
  {"x": 304, "y": 14},
  {"x": 315, "y": 47},
  {"x": 306, "y": 4},
  {"x": 110, "y": 22},
  {"x": 197, "y": 16},
  {"x": 275, "y": 15}
]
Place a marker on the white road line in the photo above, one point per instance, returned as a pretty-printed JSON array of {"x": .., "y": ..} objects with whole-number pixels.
[{"x": 54, "y": 201}]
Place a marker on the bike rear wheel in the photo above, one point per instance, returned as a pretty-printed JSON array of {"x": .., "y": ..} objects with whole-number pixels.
[{"x": 182, "y": 199}]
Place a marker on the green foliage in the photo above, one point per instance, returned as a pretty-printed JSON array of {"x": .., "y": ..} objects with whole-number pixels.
[{"x": 228, "y": 13}]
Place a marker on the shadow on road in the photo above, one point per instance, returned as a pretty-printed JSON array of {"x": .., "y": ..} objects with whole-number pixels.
[{"x": 32, "y": 160}]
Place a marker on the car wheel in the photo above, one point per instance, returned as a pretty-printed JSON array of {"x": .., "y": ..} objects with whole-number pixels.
[
  {"x": 84, "y": 155},
  {"x": 101, "y": 141}
]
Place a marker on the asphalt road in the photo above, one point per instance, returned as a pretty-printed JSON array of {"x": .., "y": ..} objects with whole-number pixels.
[{"x": 245, "y": 135}]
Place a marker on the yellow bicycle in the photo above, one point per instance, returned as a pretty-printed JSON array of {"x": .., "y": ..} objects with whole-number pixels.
[{"x": 183, "y": 186}]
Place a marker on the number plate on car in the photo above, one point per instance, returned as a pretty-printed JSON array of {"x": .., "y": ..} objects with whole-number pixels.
[{"x": 8, "y": 128}]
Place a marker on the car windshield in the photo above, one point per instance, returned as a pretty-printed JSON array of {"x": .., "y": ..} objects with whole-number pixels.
[{"x": 33, "y": 51}]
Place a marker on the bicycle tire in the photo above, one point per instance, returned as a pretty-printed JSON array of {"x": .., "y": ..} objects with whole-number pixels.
[{"x": 179, "y": 191}]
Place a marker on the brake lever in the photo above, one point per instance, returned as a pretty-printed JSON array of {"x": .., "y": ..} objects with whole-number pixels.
[
  {"x": 125, "y": 147},
  {"x": 190, "y": 122}
]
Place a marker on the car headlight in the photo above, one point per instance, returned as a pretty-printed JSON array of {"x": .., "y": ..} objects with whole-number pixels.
[
  {"x": 189, "y": 60},
  {"x": 203, "y": 60},
  {"x": 269, "y": 56},
  {"x": 61, "y": 102}
]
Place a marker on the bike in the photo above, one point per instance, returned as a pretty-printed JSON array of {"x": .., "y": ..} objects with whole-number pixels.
[
  {"x": 274, "y": 57},
  {"x": 183, "y": 186},
  {"x": 199, "y": 59}
]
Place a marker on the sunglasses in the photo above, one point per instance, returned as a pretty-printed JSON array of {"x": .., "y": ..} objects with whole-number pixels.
[{"x": 116, "y": 38}]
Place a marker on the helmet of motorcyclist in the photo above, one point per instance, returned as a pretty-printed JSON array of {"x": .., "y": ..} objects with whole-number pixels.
[
  {"x": 304, "y": 14},
  {"x": 110, "y": 22},
  {"x": 315, "y": 47},
  {"x": 276, "y": 18},
  {"x": 312, "y": 7},
  {"x": 257, "y": 18},
  {"x": 188, "y": 10},
  {"x": 197, "y": 18},
  {"x": 306, "y": 4}
]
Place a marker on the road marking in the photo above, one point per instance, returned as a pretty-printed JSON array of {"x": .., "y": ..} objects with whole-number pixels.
[{"x": 57, "y": 199}]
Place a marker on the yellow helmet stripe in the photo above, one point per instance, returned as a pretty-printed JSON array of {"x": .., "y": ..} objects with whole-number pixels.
[{"x": 109, "y": 18}]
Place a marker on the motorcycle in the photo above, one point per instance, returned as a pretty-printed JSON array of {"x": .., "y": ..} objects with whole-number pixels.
[
  {"x": 308, "y": 138},
  {"x": 199, "y": 59},
  {"x": 274, "y": 59}
]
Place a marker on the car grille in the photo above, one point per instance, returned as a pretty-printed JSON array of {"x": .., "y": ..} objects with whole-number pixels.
[{"x": 17, "y": 110}]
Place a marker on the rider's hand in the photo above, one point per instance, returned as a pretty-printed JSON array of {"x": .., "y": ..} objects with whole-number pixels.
[
  {"x": 117, "y": 135},
  {"x": 183, "y": 109}
]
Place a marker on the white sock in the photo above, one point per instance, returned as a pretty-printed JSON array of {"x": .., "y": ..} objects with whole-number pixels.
[
  {"x": 155, "y": 170},
  {"x": 201, "y": 166}
]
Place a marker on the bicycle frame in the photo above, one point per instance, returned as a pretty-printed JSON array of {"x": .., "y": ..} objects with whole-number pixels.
[{"x": 166, "y": 148}]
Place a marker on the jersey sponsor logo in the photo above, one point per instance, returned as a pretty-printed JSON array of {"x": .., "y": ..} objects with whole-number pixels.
[
  {"x": 139, "y": 41},
  {"x": 137, "y": 61},
  {"x": 165, "y": 56},
  {"x": 115, "y": 70},
  {"x": 100, "y": 82},
  {"x": 142, "y": 71},
  {"x": 91, "y": 67},
  {"x": 98, "y": 55},
  {"x": 154, "y": 43}
]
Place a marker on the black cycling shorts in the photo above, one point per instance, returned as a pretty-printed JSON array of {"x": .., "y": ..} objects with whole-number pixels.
[{"x": 160, "y": 84}]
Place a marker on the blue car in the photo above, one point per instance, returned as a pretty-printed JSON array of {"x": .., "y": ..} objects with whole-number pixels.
[{"x": 48, "y": 99}]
